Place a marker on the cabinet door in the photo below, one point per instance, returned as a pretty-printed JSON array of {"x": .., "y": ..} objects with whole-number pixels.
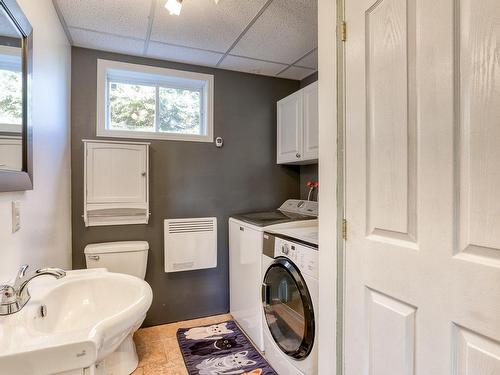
[
  {"x": 311, "y": 141},
  {"x": 116, "y": 173},
  {"x": 290, "y": 121}
]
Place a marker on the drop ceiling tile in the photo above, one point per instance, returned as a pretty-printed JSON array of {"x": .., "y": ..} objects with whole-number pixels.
[
  {"x": 203, "y": 24},
  {"x": 122, "y": 17},
  {"x": 106, "y": 42},
  {"x": 310, "y": 61},
  {"x": 297, "y": 73},
  {"x": 181, "y": 54},
  {"x": 286, "y": 31},
  {"x": 242, "y": 64}
]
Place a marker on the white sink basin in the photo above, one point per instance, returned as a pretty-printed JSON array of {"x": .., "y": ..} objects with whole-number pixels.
[{"x": 89, "y": 313}]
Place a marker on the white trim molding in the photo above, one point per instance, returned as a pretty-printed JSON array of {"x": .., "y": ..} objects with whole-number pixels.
[
  {"x": 155, "y": 76},
  {"x": 328, "y": 339}
]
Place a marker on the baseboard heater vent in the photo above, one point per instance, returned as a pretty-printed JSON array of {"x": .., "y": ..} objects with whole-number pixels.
[{"x": 190, "y": 244}]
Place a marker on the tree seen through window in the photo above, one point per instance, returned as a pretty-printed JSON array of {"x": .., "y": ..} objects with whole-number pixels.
[{"x": 133, "y": 107}]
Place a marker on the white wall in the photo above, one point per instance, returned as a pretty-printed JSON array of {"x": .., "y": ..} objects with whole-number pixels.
[
  {"x": 328, "y": 181},
  {"x": 45, "y": 235}
]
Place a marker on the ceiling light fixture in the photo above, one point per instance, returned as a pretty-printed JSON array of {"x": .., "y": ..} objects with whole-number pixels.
[{"x": 174, "y": 7}]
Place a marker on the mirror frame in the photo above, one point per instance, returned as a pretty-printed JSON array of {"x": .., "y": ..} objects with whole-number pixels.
[{"x": 22, "y": 180}]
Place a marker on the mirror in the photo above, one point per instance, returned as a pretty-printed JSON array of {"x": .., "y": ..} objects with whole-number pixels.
[
  {"x": 11, "y": 95},
  {"x": 15, "y": 71}
]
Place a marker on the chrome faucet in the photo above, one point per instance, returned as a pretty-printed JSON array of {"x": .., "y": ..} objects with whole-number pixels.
[{"x": 14, "y": 297}]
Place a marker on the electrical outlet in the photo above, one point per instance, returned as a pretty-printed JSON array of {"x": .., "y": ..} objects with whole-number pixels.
[{"x": 16, "y": 216}]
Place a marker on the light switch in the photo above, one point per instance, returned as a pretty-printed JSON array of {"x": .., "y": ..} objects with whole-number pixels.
[{"x": 16, "y": 216}]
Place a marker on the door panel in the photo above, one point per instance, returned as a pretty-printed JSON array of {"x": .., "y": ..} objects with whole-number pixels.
[
  {"x": 391, "y": 158},
  {"x": 475, "y": 354},
  {"x": 391, "y": 335},
  {"x": 479, "y": 151},
  {"x": 290, "y": 122},
  {"x": 422, "y": 198},
  {"x": 311, "y": 122}
]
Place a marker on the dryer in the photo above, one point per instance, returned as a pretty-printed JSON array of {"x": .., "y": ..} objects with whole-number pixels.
[
  {"x": 245, "y": 266},
  {"x": 290, "y": 300}
]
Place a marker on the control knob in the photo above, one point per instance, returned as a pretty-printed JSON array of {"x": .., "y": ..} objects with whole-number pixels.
[{"x": 285, "y": 249}]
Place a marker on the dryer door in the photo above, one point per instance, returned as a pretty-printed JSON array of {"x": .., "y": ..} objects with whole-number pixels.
[{"x": 288, "y": 308}]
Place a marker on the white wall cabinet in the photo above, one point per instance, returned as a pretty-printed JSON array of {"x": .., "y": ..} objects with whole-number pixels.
[
  {"x": 298, "y": 127},
  {"x": 116, "y": 183}
]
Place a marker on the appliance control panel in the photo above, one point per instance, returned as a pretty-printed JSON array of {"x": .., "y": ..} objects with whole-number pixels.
[
  {"x": 304, "y": 257},
  {"x": 300, "y": 206}
]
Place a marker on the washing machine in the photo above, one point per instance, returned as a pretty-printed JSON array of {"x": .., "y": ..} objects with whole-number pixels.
[
  {"x": 245, "y": 265},
  {"x": 290, "y": 299}
]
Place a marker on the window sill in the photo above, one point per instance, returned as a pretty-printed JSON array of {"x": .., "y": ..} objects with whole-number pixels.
[{"x": 157, "y": 136}]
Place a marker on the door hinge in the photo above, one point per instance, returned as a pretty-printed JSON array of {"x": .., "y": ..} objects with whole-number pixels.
[
  {"x": 344, "y": 229},
  {"x": 343, "y": 31}
]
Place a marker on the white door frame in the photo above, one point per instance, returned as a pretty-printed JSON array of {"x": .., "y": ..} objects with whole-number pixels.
[{"x": 328, "y": 221}]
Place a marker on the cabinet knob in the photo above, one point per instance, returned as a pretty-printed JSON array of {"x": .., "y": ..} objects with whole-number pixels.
[
  {"x": 297, "y": 155},
  {"x": 143, "y": 174}
]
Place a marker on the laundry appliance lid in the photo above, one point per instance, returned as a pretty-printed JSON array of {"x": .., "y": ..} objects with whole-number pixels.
[
  {"x": 264, "y": 219},
  {"x": 290, "y": 210}
]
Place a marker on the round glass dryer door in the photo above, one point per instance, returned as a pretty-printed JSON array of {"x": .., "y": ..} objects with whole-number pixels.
[{"x": 288, "y": 309}]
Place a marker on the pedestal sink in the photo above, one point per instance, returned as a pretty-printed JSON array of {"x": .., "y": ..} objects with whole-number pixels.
[{"x": 74, "y": 323}]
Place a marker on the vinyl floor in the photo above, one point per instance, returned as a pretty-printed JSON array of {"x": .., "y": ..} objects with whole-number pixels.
[{"x": 158, "y": 350}]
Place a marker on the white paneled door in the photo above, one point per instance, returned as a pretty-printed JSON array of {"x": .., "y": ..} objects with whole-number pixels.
[{"x": 422, "y": 187}]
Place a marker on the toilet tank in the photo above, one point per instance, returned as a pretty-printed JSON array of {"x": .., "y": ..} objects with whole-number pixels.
[{"x": 130, "y": 257}]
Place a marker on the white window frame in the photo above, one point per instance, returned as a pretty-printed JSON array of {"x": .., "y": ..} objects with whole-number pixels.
[{"x": 153, "y": 76}]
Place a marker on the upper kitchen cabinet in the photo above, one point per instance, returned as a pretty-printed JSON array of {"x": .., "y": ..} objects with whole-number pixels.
[{"x": 298, "y": 127}]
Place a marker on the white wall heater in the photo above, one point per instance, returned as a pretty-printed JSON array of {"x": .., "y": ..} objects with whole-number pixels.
[{"x": 190, "y": 244}]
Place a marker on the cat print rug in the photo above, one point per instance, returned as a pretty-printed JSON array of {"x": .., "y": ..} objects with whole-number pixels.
[{"x": 220, "y": 349}]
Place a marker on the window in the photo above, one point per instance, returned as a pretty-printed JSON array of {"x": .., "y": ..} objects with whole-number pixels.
[
  {"x": 136, "y": 101},
  {"x": 11, "y": 95}
]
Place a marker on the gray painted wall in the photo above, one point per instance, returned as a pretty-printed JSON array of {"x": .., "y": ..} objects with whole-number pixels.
[
  {"x": 308, "y": 172},
  {"x": 190, "y": 179},
  {"x": 309, "y": 79}
]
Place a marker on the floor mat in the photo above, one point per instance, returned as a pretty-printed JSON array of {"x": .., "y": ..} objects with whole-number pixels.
[{"x": 220, "y": 349}]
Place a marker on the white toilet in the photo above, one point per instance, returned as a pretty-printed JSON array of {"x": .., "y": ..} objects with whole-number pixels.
[{"x": 129, "y": 257}]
